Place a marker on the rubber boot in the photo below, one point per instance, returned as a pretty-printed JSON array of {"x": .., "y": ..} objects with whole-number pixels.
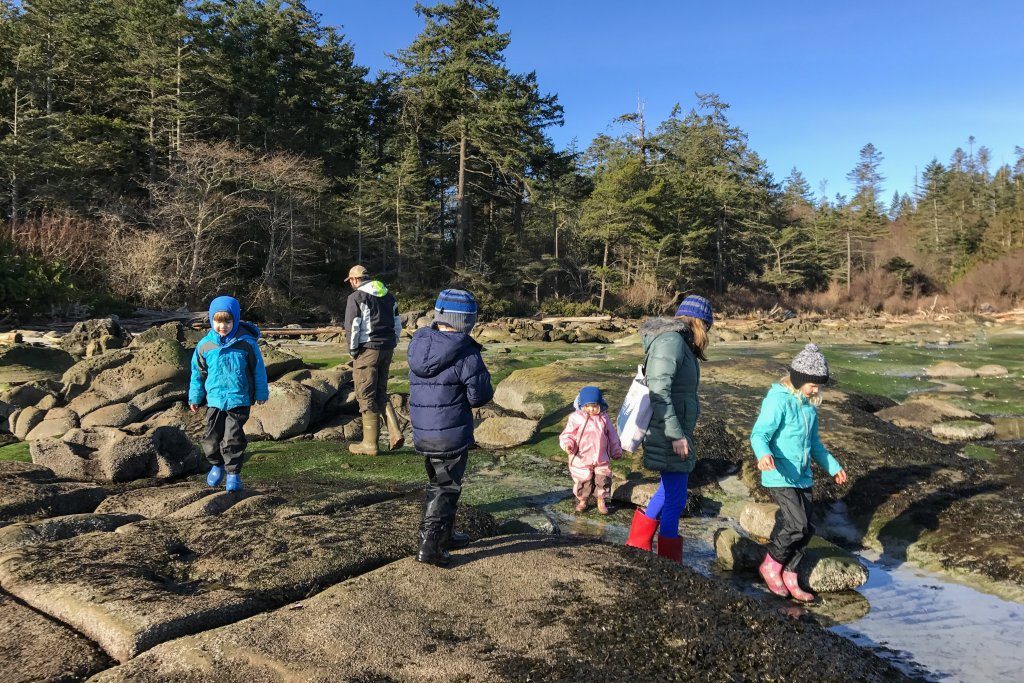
[
  {"x": 641, "y": 531},
  {"x": 771, "y": 572},
  {"x": 216, "y": 476},
  {"x": 602, "y": 507},
  {"x": 395, "y": 437},
  {"x": 371, "y": 432},
  {"x": 456, "y": 540},
  {"x": 795, "y": 591},
  {"x": 234, "y": 482},
  {"x": 670, "y": 548},
  {"x": 432, "y": 550}
]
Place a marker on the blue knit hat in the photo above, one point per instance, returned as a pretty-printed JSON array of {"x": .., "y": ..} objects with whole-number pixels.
[
  {"x": 590, "y": 395},
  {"x": 456, "y": 308},
  {"x": 697, "y": 307}
]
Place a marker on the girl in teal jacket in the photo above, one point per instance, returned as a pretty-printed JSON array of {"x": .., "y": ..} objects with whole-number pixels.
[{"x": 785, "y": 441}]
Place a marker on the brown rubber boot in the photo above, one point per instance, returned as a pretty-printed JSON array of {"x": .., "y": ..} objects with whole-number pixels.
[
  {"x": 395, "y": 437},
  {"x": 371, "y": 432}
]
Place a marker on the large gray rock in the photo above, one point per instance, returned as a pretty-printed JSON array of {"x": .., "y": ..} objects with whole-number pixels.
[
  {"x": 94, "y": 337},
  {"x": 55, "y": 423},
  {"x": 288, "y": 413},
  {"x": 34, "y": 648},
  {"x": 758, "y": 519},
  {"x": 114, "y": 415},
  {"x": 536, "y": 392},
  {"x": 923, "y": 411},
  {"x": 949, "y": 370},
  {"x": 26, "y": 420},
  {"x": 341, "y": 428},
  {"x": 826, "y": 568},
  {"x": 160, "y": 579},
  {"x": 637, "y": 492},
  {"x": 963, "y": 430},
  {"x": 172, "y": 331},
  {"x": 279, "y": 361},
  {"x": 515, "y": 608},
  {"x": 121, "y": 376},
  {"x": 30, "y": 491},
  {"x": 505, "y": 432},
  {"x": 111, "y": 455},
  {"x": 29, "y": 363}
]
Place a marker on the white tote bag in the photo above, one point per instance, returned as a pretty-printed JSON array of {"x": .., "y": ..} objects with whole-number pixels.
[{"x": 635, "y": 414}]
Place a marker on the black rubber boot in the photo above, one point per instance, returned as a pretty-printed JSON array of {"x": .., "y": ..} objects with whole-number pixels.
[
  {"x": 432, "y": 551},
  {"x": 454, "y": 540}
]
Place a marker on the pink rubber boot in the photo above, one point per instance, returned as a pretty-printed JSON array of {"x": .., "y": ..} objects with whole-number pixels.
[
  {"x": 771, "y": 572},
  {"x": 797, "y": 593}
]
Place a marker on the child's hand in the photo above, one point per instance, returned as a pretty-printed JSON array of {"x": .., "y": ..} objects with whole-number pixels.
[
  {"x": 840, "y": 477},
  {"x": 571, "y": 448},
  {"x": 193, "y": 407},
  {"x": 261, "y": 403},
  {"x": 767, "y": 463}
]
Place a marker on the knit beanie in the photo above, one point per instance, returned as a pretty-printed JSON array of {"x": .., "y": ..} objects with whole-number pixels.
[
  {"x": 590, "y": 395},
  {"x": 456, "y": 308},
  {"x": 809, "y": 366},
  {"x": 697, "y": 307}
]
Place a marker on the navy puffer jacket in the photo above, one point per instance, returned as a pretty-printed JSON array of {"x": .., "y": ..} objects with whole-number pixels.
[{"x": 447, "y": 379}]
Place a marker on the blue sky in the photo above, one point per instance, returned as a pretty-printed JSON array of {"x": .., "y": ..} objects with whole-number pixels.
[{"x": 810, "y": 82}]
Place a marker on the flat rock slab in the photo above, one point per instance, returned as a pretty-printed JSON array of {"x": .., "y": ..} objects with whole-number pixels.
[
  {"x": 923, "y": 412},
  {"x": 963, "y": 430},
  {"x": 59, "y": 528},
  {"x": 111, "y": 455},
  {"x": 159, "y": 579},
  {"x": 516, "y": 608},
  {"x": 29, "y": 491},
  {"x": 34, "y": 648}
]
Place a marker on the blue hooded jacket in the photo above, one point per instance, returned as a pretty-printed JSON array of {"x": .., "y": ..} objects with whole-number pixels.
[
  {"x": 447, "y": 379},
  {"x": 228, "y": 372}
]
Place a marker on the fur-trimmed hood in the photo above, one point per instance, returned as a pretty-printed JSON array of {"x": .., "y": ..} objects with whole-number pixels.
[{"x": 652, "y": 328}]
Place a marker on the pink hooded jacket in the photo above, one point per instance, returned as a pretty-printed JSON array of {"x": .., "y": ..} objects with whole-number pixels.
[{"x": 591, "y": 438}]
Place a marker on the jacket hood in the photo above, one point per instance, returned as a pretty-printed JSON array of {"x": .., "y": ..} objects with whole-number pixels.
[
  {"x": 652, "y": 328},
  {"x": 240, "y": 329},
  {"x": 590, "y": 395},
  {"x": 780, "y": 393},
  {"x": 374, "y": 287},
  {"x": 227, "y": 304},
  {"x": 432, "y": 351}
]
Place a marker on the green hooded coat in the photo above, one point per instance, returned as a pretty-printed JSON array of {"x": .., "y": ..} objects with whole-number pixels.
[{"x": 673, "y": 375}]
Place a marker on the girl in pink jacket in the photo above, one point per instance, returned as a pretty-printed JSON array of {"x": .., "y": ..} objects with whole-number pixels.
[{"x": 590, "y": 440}]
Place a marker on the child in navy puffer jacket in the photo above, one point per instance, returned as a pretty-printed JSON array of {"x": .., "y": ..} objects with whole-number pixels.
[
  {"x": 447, "y": 379},
  {"x": 228, "y": 375}
]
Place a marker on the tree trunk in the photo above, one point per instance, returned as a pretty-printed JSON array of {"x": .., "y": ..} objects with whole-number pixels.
[
  {"x": 461, "y": 202},
  {"x": 849, "y": 269},
  {"x": 604, "y": 273}
]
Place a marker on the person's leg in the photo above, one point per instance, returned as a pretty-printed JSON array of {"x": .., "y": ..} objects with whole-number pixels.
[
  {"x": 654, "y": 505},
  {"x": 232, "y": 445},
  {"x": 675, "y": 485},
  {"x": 364, "y": 380},
  {"x": 789, "y": 571},
  {"x": 211, "y": 445},
  {"x": 790, "y": 524},
  {"x": 602, "y": 487},
  {"x": 445, "y": 486}
]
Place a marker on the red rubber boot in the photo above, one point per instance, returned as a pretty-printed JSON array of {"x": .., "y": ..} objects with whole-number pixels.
[
  {"x": 670, "y": 548},
  {"x": 641, "y": 531}
]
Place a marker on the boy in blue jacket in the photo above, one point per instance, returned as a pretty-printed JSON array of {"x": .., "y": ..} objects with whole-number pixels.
[
  {"x": 228, "y": 375},
  {"x": 447, "y": 379}
]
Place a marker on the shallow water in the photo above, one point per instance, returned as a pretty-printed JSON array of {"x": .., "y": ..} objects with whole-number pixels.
[{"x": 924, "y": 624}]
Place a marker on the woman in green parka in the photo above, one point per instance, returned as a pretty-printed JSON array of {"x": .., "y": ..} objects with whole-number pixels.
[{"x": 675, "y": 347}]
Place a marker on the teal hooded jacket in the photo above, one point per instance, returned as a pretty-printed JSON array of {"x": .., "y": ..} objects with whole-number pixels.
[
  {"x": 228, "y": 372},
  {"x": 787, "y": 429}
]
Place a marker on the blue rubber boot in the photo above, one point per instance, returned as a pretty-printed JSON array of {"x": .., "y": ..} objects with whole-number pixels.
[
  {"x": 216, "y": 476},
  {"x": 234, "y": 482}
]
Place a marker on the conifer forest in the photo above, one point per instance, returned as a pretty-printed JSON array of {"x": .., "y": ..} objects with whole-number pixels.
[{"x": 154, "y": 153}]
